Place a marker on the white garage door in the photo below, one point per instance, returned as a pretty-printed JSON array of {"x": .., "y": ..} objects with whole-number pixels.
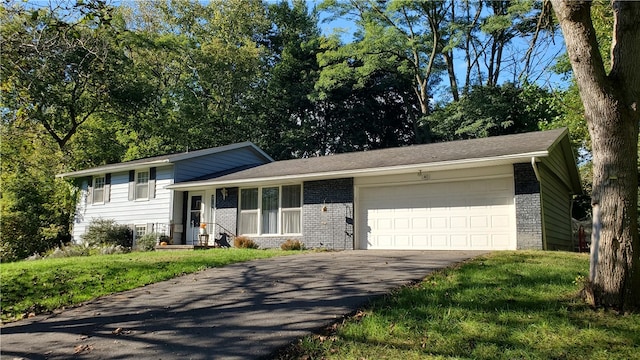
[{"x": 461, "y": 215}]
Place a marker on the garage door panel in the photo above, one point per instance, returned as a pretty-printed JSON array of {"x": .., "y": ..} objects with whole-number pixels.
[
  {"x": 499, "y": 221},
  {"x": 479, "y": 240},
  {"x": 478, "y": 222},
  {"x": 439, "y": 241},
  {"x": 458, "y": 222},
  {"x": 461, "y": 215},
  {"x": 459, "y": 241},
  {"x": 438, "y": 223},
  {"x": 420, "y": 241},
  {"x": 420, "y": 223}
]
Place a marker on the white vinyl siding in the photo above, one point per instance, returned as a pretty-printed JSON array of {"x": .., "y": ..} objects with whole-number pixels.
[
  {"x": 157, "y": 210},
  {"x": 271, "y": 210}
]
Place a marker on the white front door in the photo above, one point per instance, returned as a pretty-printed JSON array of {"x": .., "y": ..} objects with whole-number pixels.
[{"x": 195, "y": 217}]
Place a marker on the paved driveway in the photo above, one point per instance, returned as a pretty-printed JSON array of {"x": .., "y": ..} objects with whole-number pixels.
[{"x": 241, "y": 311}]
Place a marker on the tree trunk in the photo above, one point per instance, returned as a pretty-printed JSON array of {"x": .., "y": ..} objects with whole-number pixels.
[{"x": 611, "y": 111}]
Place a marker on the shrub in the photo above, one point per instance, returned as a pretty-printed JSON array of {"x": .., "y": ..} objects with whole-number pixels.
[
  {"x": 243, "y": 242},
  {"x": 113, "y": 249},
  {"x": 69, "y": 251},
  {"x": 146, "y": 242},
  {"x": 108, "y": 232},
  {"x": 292, "y": 245}
]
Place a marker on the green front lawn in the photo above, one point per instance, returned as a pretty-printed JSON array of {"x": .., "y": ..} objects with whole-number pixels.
[
  {"x": 508, "y": 305},
  {"x": 44, "y": 285}
]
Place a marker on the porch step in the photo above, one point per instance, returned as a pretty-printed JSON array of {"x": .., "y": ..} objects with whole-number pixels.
[
  {"x": 174, "y": 247},
  {"x": 182, "y": 247}
]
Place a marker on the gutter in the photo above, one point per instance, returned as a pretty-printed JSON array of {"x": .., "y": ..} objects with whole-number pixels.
[
  {"x": 389, "y": 170},
  {"x": 111, "y": 169}
]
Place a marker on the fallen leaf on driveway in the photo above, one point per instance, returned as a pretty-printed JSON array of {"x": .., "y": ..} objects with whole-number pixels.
[{"x": 82, "y": 348}]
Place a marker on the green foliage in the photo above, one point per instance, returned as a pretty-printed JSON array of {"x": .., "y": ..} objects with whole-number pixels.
[
  {"x": 243, "y": 242},
  {"x": 46, "y": 285},
  {"x": 507, "y": 305},
  {"x": 200, "y": 67},
  {"x": 35, "y": 208},
  {"x": 292, "y": 245},
  {"x": 286, "y": 112},
  {"x": 64, "y": 77},
  {"x": 147, "y": 242},
  {"x": 494, "y": 110},
  {"x": 107, "y": 232}
]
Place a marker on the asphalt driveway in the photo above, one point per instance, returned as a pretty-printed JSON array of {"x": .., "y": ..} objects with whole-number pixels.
[{"x": 241, "y": 311}]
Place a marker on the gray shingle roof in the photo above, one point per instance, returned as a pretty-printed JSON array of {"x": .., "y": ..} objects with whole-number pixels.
[
  {"x": 490, "y": 147},
  {"x": 163, "y": 159}
]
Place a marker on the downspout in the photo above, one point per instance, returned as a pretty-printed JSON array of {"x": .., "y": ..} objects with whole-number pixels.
[
  {"x": 537, "y": 173},
  {"x": 535, "y": 168}
]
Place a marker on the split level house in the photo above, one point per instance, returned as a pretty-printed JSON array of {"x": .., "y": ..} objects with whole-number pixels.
[{"x": 498, "y": 193}]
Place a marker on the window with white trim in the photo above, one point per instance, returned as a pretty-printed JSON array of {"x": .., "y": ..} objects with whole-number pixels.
[
  {"x": 98, "y": 190},
  {"x": 140, "y": 230},
  {"x": 271, "y": 210},
  {"x": 249, "y": 211},
  {"x": 142, "y": 185}
]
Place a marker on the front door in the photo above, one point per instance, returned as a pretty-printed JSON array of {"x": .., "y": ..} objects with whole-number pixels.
[{"x": 195, "y": 217}]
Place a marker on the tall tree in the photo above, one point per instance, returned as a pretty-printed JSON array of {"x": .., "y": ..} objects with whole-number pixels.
[
  {"x": 494, "y": 110},
  {"x": 286, "y": 113},
  {"x": 201, "y": 67},
  {"x": 610, "y": 100},
  {"x": 59, "y": 64}
]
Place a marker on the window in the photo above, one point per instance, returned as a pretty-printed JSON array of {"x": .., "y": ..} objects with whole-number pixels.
[
  {"x": 98, "y": 190},
  {"x": 249, "y": 211},
  {"x": 271, "y": 210},
  {"x": 141, "y": 230},
  {"x": 291, "y": 209},
  {"x": 142, "y": 185}
]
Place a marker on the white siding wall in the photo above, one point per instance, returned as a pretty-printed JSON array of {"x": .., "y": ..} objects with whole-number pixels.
[{"x": 122, "y": 210}]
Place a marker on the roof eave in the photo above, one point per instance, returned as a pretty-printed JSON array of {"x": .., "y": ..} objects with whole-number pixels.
[
  {"x": 390, "y": 170},
  {"x": 111, "y": 169}
]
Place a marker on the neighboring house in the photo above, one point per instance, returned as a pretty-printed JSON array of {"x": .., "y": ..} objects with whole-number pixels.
[
  {"x": 497, "y": 193},
  {"x": 135, "y": 193}
]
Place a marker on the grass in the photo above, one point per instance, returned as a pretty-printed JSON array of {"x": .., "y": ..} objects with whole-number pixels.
[
  {"x": 45, "y": 285},
  {"x": 508, "y": 305}
]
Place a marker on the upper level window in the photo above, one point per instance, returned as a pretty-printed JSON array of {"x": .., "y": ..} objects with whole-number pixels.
[
  {"x": 271, "y": 210},
  {"x": 98, "y": 189},
  {"x": 142, "y": 185}
]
